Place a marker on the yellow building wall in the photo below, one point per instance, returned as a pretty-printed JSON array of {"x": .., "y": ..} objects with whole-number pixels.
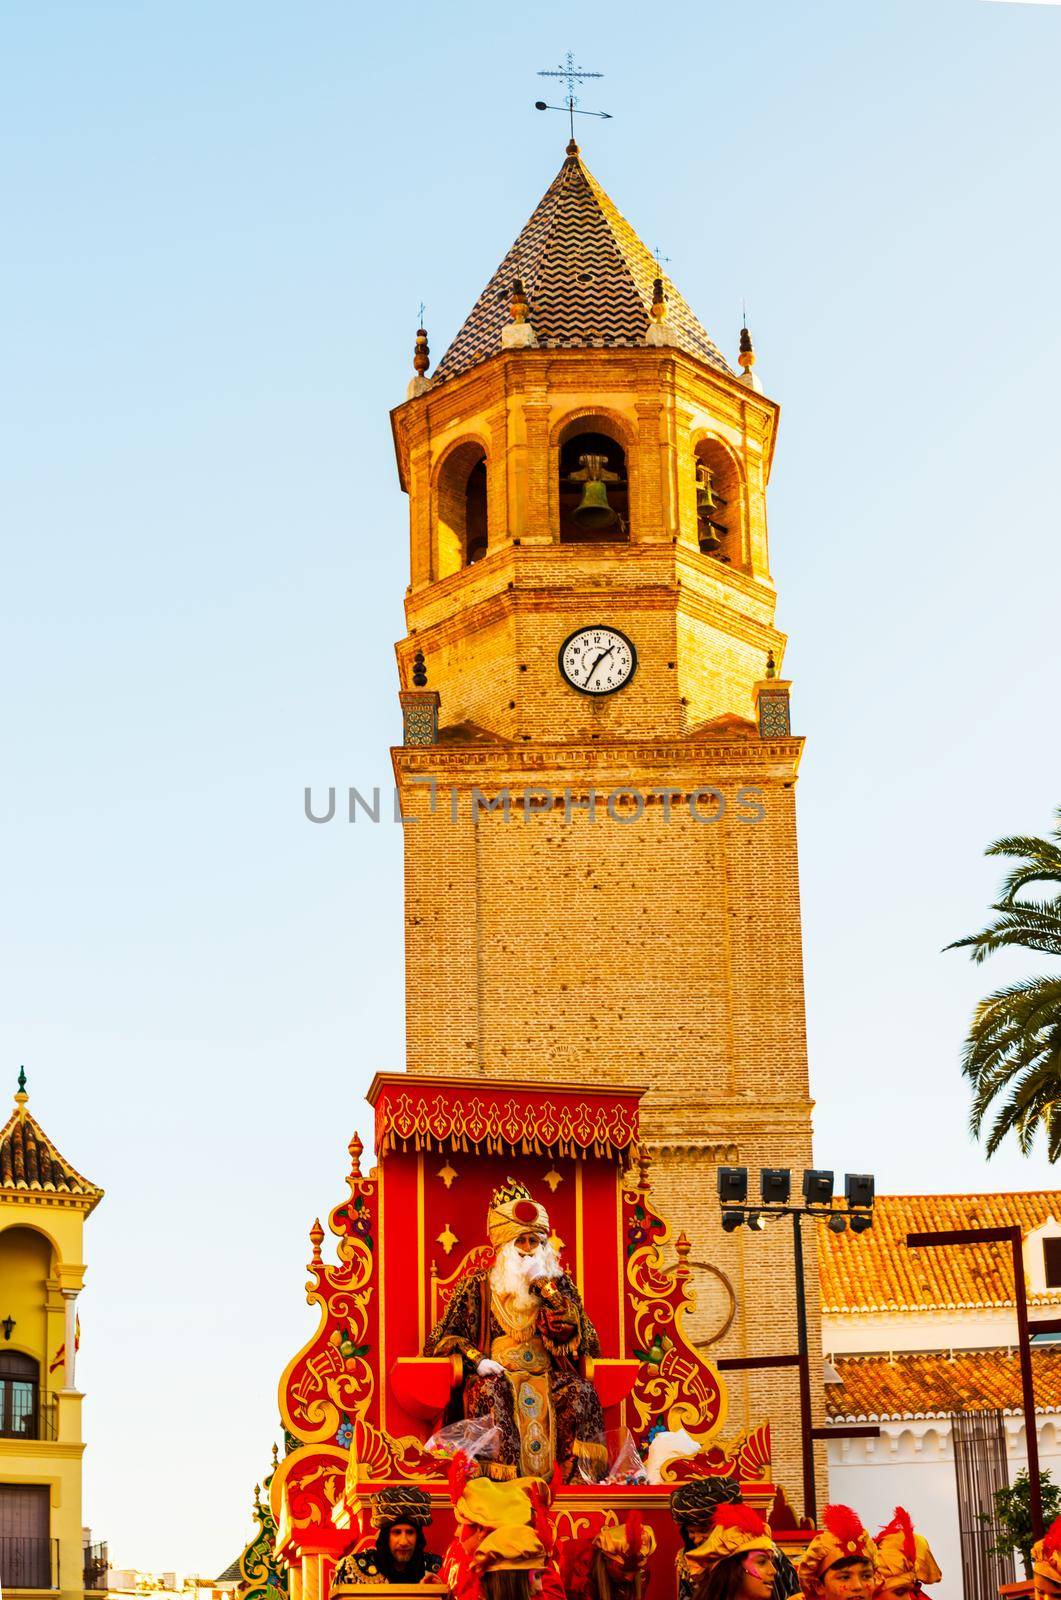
[{"x": 40, "y": 1255}]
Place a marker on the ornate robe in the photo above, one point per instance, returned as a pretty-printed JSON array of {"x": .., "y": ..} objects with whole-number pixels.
[
  {"x": 545, "y": 1411},
  {"x": 362, "y": 1566}
]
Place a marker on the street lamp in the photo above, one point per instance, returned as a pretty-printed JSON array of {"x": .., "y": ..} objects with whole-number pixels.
[{"x": 775, "y": 1189}]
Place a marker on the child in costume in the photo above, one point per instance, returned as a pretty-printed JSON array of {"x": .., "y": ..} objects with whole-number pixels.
[
  {"x": 613, "y": 1565},
  {"x": 737, "y": 1559},
  {"x": 502, "y": 1549},
  {"x": 904, "y": 1561},
  {"x": 840, "y": 1563},
  {"x": 1046, "y": 1563}
]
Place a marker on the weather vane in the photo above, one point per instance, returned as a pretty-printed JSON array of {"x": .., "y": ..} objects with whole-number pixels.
[{"x": 571, "y": 75}]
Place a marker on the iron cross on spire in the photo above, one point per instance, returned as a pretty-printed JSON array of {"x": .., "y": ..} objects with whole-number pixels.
[{"x": 571, "y": 75}]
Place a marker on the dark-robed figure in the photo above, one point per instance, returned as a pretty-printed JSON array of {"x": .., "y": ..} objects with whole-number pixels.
[{"x": 399, "y": 1554}]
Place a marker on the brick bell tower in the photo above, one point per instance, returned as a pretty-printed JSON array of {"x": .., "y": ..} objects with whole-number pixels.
[{"x": 600, "y": 862}]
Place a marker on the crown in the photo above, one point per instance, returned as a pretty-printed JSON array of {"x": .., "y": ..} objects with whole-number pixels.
[{"x": 509, "y": 1190}]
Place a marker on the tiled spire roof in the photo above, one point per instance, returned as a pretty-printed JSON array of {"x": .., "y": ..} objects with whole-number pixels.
[
  {"x": 29, "y": 1160},
  {"x": 587, "y": 276}
]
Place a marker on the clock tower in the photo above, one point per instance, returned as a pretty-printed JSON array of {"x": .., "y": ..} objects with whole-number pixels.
[{"x": 598, "y": 772}]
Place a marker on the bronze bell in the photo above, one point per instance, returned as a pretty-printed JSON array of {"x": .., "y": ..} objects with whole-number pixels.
[
  {"x": 706, "y": 499},
  {"x": 593, "y": 512}
]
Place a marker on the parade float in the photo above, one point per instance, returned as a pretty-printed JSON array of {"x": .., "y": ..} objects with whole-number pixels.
[{"x": 365, "y": 1409}]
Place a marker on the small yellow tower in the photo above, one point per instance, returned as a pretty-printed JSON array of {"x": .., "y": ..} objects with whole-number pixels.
[{"x": 43, "y": 1206}]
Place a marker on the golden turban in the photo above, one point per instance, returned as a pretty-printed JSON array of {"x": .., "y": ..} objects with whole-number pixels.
[
  {"x": 512, "y": 1212},
  {"x": 840, "y": 1538},
  {"x": 627, "y": 1546},
  {"x": 903, "y": 1554},
  {"x": 735, "y": 1529},
  {"x": 505, "y": 1511}
]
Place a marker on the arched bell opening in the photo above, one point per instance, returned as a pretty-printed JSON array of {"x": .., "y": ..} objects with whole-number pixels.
[
  {"x": 461, "y": 498},
  {"x": 594, "y": 487},
  {"x": 719, "y": 531}
]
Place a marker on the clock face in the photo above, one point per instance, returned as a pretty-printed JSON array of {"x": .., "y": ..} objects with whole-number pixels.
[{"x": 597, "y": 660}]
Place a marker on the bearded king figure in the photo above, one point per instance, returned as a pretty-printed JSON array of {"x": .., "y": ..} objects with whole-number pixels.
[{"x": 520, "y": 1329}]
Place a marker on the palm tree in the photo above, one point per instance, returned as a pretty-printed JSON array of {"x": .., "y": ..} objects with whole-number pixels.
[{"x": 1014, "y": 1042}]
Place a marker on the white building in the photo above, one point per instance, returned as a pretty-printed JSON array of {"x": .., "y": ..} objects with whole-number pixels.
[{"x": 913, "y": 1338}]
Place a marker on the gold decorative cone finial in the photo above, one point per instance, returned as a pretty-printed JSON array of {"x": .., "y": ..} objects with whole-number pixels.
[
  {"x": 316, "y": 1237},
  {"x": 21, "y": 1097},
  {"x": 355, "y": 1148}
]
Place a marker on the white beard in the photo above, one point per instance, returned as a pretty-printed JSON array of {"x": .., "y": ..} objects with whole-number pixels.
[{"x": 512, "y": 1273}]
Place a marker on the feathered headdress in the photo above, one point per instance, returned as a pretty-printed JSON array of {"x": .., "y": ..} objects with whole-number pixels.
[
  {"x": 840, "y": 1538},
  {"x": 735, "y": 1529},
  {"x": 1046, "y": 1553},
  {"x": 903, "y": 1554}
]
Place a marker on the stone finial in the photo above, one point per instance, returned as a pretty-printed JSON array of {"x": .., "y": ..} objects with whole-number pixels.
[
  {"x": 659, "y": 330},
  {"x": 771, "y": 665},
  {"x": 419, "y": 671},
  {"x": 659, "y": 302},
  {"x": 355, "y": 1148},
  {"x": 421, "y": 361},
  {"x": 518, "y": 334},
  {"x": 572, "y": 148},
  {"x": 316, "y": 1237},
  {"x": 746, "y": 359},
  {"x": 21, "y": 1097}
]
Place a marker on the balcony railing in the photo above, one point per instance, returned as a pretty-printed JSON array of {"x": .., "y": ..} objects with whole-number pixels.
[
  {"x": 27, "y": 1563},
  {"x": 27, "y": 1412},
  {"x": 96, "y": 1566}
]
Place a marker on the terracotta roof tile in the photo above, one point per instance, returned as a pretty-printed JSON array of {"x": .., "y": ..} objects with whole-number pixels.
[
  {"x": 30, "y": 1161},
  {"x": 588, "y": 279},
  {"x": 875, "y": 1271},
  {"x": 935, "y": 1384}
]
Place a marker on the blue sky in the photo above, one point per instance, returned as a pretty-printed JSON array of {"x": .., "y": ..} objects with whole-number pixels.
[{"x": 220, "y": 221}]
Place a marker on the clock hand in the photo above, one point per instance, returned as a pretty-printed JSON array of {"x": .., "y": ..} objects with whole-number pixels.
[{"x": 597, "y": 663}]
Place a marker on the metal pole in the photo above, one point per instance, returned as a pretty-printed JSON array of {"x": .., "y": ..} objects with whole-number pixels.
[
  {"x": 810, "y": 1502},
  {"x": 1027, "y": 1385}
]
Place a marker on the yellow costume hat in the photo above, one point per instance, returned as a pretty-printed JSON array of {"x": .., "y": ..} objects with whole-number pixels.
[
  {"x": 512, "y": 1212},
  {"x": 840, "y": 1538},
  {"x": 1046, "y": 1553},
  {"x": 903, "y": 1554},
  {"x": 627, "y": 1546},
  {"x": 505, "y": 1511},
  {"x": 735, "y": 1529}
]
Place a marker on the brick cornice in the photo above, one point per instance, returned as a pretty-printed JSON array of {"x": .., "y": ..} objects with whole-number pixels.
[{"x": 758, "y": 760}]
